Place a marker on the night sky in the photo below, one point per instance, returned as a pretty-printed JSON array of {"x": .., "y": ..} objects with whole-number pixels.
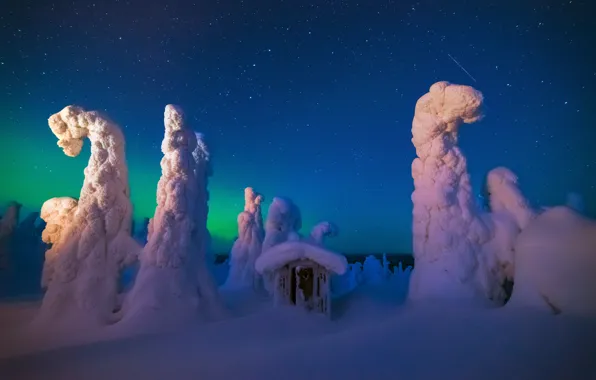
[{"x": 310, "y": 100}]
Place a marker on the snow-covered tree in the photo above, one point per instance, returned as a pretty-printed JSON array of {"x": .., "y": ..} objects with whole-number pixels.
[
  {"x": 58, "y": 213},
  {"x": 321, "y": 231},
  {"x": 460, "y": 250},
  {"x": 84, "y": 280},
  {"x": 8, "y": 223},
  {"x": 555, "y": 262},
  {"x": 372, "y": 271},
  {"x": 447, "y": 234},
  {"x": 170, "y": 273},
  {"x": 509, "y": 212},
  {"x": 203, "y": 170},
  {"x": 283, "y": 222},
  {"x": 248, "y": 246}
]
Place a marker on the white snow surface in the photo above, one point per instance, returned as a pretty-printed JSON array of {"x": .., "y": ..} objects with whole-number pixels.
[
  {"x": 84, "y": 283},
  {"x": 555, "y": 264},
  {"x": 375, "y": 337},
  {"x": 284, "y": 253}
]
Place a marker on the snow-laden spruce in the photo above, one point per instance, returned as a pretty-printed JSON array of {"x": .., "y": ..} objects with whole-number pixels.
[
  {"x": 172, "y": 274},
  {"x": 248, "y": 245},
  {"x": 283, "y": 223},
  {"x": 58, "y": 213},
  {"x": 460, "y": 251},
  {"x": 8, "y": 224},
  {"x": 84, "y": 281},
  {"x": 321, "y": 231}
]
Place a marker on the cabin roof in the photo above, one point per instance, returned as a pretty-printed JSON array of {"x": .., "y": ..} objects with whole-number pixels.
[{"x": 284, "y": 253}]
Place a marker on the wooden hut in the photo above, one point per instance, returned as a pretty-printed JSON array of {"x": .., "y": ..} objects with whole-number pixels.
[{"x": 301, "y": 272}]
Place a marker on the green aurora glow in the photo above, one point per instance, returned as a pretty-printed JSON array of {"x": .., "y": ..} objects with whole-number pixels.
[{"x": 38, "y": 170}]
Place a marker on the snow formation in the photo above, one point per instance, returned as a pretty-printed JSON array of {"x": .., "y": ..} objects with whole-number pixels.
[
  {"x": 373, "y": 271},
  {"x": 509, "y": 214},
  {"x": 505, "y": 196},
  {"x": 461, "y": 251},
  {"x": 58, "y": 213},
  {"x": 322, "y": 231},
  {"x": 284, "y": 253},
  {"x": 447, "y": 235},
  {"x": 283, "y": 221},
  {"x": 97, "y": 242},
  {"x": 8, "y": 223},
  {"x": 555, "y": 263},
  {"x": 248, "y": 246},
  {"x": 203, "y": 169},
  {"x": 172, "y": 273}
]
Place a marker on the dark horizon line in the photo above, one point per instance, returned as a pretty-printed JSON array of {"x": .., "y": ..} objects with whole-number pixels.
[{"x": 351, "y": 254}]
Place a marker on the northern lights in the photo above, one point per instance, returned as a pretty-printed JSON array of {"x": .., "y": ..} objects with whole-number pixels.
[{"x": 310, "y": 101}]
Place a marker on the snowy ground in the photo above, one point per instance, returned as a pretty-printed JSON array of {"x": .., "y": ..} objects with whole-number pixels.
[{"x": 373, "y": 336}]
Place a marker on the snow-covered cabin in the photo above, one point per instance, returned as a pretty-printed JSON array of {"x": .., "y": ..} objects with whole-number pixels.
[{"x": 302, "y": 274}]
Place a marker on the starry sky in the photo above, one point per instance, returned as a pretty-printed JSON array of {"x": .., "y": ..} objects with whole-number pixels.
[{"x": 312, "y": 100}]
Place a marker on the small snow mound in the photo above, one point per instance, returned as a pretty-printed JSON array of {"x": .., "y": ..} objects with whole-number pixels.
[
  {"x": 555, "y": 262},
  {"x": 284, "y": 253}
]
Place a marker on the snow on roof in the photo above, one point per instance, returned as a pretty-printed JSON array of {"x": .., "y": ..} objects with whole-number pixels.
[{"x": 284, "y": 253}]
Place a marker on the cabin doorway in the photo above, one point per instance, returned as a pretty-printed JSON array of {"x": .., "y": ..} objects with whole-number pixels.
[{"x": 301, "y": 285}]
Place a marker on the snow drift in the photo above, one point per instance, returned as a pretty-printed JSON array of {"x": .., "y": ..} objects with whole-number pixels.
[
  {"x": 97, "y": 242},
  {"x": 555, "y": 264}
]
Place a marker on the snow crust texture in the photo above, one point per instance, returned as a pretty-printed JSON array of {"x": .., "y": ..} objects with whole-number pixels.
[
  {"x": 284, "y": 253},
  {"x": 248, "y": 246},
  {"x": 96, "y": 243}
]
